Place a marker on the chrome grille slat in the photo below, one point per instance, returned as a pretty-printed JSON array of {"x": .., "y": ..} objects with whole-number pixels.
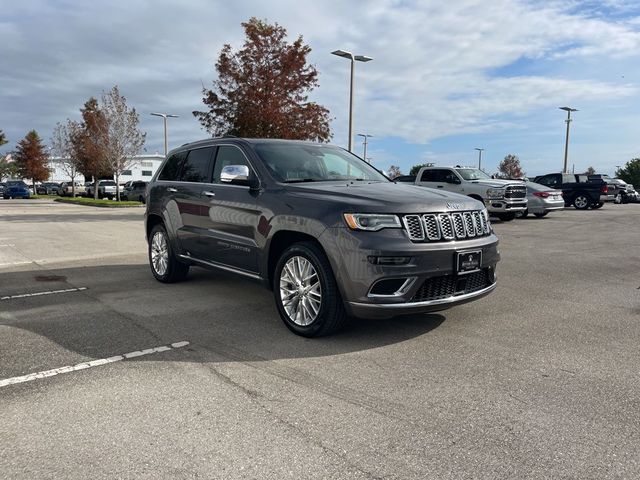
[
  {"x": 433, "y": 227},
  {"x": 446, "y": 227},
  {"x": 458, "y": 225},
  {"x": 413, "y": 225},
  {"x": 468, "y": 224}
]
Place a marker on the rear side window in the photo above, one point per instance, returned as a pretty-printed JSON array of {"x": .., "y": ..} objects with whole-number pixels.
[
  {"x": 435, "y": 175},
  {"x": 197, "y": 167},
  {"x": 171, "y": 169},
  {"x": 227, "y": 155}
]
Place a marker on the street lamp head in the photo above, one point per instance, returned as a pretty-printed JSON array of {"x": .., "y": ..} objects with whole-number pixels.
[
  {"x": 342, "y": 53},
  {"x": 362, "y": 58},
  {"x": 164, "y": 115},
  {"x": 365, "y": 135},
  {"x": 568, "y": 109},
  {"x": 480, "y": 149}
]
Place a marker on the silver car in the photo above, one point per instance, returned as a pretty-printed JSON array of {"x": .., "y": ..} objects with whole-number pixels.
[{"x": 542, "y": 200}]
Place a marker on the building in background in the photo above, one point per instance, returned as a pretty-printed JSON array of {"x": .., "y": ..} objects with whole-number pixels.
[{"x": 143, "y": 168}]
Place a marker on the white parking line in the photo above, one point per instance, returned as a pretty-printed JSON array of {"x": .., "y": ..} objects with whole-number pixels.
[
  {"x": 92, "y": 363},
  {"x": 7, "y": 245},
  {"x": 48, "y": 292}
]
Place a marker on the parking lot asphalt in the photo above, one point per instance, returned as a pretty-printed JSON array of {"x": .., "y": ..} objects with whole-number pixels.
[{"x": 537, "y": 380}]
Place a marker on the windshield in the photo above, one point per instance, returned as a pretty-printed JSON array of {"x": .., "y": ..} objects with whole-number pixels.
[
  {"x": 295, "y": 162},
  {"x": 472, "y": 174}
]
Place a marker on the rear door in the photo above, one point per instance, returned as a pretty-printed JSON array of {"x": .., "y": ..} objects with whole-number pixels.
[{"x": 192, "y": 204}]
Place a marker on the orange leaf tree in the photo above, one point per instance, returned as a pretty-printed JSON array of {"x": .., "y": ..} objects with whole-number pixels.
[
  {"x": 263, "y": 89},
  {"x": 31, "y": 158}
]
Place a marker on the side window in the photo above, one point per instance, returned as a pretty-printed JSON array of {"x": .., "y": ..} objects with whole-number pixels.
[
  {"x": 429, "y": 176},
  {"x": 547, "y": 180},
  {"x": 171, "y": 168},
  {"x": 197, "y": 166},
  {"x": 227, "y": 155}
]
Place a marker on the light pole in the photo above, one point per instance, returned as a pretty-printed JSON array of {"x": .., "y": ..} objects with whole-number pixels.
[
  {"x": 566, "y": 141},
  {"x": 353, "y": 58},
  {"x": 365, "y": 136},
  {"x": 164, "y": 118},
  {"x": 480, "y": 150}
]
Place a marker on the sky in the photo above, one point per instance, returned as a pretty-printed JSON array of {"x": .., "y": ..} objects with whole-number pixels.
[{"x": 447, "y": 77}]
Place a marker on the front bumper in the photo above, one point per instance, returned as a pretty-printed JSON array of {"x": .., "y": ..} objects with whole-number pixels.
[
  {"x": 500, "y": 205},
  {"x": 350, "y": 254}
]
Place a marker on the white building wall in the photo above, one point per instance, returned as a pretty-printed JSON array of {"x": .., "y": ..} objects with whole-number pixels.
[{"x": 143, "y": 168}]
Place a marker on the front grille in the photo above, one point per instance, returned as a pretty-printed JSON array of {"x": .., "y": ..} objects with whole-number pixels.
[
  {"x": 446, "y": 286},
  {"x": 446, "y": 226},
  {"x": 516, "y": 191}
]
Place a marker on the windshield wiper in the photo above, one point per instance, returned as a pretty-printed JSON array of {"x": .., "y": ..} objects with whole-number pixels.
[{"x": 300, "y": 180}]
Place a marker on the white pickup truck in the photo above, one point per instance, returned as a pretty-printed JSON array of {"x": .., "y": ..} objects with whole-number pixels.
[{"x": 502, "y": 198}]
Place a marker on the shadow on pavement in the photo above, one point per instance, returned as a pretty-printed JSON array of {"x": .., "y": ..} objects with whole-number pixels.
[{"x": 226, "y": 318}]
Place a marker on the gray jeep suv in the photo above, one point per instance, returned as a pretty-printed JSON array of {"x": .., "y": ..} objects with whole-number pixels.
[{"x": 328, "y": 233}]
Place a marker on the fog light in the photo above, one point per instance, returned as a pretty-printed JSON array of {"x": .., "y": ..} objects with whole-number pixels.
[{"x": 389, "y": 260}]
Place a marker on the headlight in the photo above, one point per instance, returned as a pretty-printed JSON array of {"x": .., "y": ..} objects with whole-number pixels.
[
  {"x": 495, "y": 193},
  {"x": 371, "y": 221}
]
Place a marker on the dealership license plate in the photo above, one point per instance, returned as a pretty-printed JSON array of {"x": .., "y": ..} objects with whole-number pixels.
[{"x": 468, "y": 262}]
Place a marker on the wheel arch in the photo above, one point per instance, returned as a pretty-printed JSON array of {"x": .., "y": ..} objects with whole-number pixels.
[{"x": 279, "y": 242}]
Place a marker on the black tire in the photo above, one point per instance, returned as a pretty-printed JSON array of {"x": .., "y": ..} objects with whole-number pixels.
[
  {"x": 175, "y": 271},
  {"x": 331, "y": 315},
  {"x": 506, "y": 217},
  {"x": 581, "y": 201},
  {"x": 595, "y": 206},
  {"x": 141, "y": 199},
  {"x": 541, "y": 215},
  {"x": 524, "y": 213}
]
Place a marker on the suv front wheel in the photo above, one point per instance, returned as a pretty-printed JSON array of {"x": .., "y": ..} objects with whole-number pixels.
[
  {"x": 306, "y": 292},
  {"x": 164, "y": 265}
]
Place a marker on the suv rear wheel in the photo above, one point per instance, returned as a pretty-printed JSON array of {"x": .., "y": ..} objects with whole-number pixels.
[
  {"x": 581, "y": 201},
  {"x": 164, "y": 265},
  {"x": 306, "y": 292}
]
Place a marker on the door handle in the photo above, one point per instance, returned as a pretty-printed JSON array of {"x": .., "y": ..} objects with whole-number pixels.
[
  {"x": 440, "y": 186},
  {"x": 172, "y": 190},
  {"x": 209, "y": 194}
]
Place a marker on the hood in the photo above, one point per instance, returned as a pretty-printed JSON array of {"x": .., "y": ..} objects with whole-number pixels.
[
  {"x": 496, "y": 183},
  {"x": 384, "y": 197}
]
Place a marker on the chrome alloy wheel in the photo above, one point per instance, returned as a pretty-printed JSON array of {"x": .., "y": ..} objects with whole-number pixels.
[
  {"x": 159, "y": 253},
  {"x": 300, "y": 291},
  {"x": 582, "y": 201}
]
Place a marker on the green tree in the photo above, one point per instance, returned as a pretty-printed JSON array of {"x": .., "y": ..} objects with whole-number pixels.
[
  {"x": 262, "y": 90},
  {"x": 590, "y": 171},
  {"x": 31, "y": 158},
  {"x": 510, "y": 167},
  {"x": 416, "y": 168},
  {"x": 7, "y": 168},
  {"x": 630, "y": 173}
]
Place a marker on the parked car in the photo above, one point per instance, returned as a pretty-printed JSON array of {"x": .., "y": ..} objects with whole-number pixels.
[
  {"x": 1, "y": 188},
  {"x": 67, "y": 189},
  {"x": 135, "y": 191},
  {"x": 88, "y": 189},
  {"x": 502, "y": 198},
  {"x": 612, "y": 187},
  {"x": 16, "y": 189},
  {"x": 328, "y": 233},
  {"x": 106, "y": 189},
  {"x": 48, "y": 188},
  {"x": 577, "y": 190},
  {"x": 541, "y": 200},
  {"x": 625, "y": 192}
]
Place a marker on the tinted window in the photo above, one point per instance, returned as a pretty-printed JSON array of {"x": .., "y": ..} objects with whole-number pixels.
[
  {"x": 197, "y": 167},
  {"x": 171, "y": 168},
  {"x": 147, "y": 173},
  {"x": 227, "y": 155},
  {"x": 444, "y": 176}
]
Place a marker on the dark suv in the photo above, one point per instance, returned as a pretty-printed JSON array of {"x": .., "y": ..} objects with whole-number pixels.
[{"x": 328, "y": 233}]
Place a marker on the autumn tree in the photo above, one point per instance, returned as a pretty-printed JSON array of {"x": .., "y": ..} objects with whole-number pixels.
[
  {"x": 590, "y": 171},
  {"x": 89, "y": 143},
  {"x": 123, "y": 139},
  {"x": 394, "y": 171},
  {"x": 62, "y": 148},
  {"x": 262, "y": 90},
  {"x": 510, "y": 167},
  {"x": 31, "y": 158},
  {"x": 630, "y": 173}
]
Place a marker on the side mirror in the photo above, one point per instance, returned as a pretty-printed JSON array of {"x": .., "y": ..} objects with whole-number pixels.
[
  {"x": 238, "y": 175},
  {"x": 235, "y": 174}
]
